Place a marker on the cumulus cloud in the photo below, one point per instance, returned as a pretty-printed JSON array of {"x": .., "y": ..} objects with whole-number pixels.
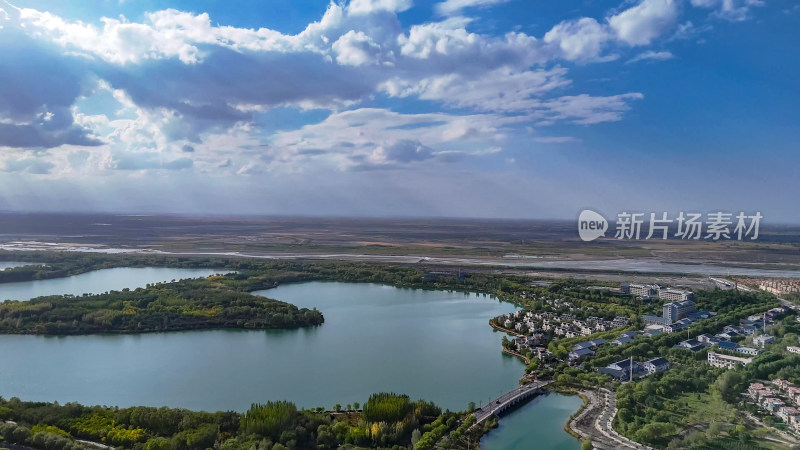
[
  {"x": 451, "y": 7},
  {"x": 37, "y": 88},
  {"x": 579, "y": 39},
  {"x": 355, "y": 48},
  {"x": 370, "y": 6},
  {"x": 215, "y": 83},
  {"x": 641, "y": 24}
]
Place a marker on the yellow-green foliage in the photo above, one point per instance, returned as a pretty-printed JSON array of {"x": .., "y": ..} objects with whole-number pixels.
[
  {"x": 48, "y": 429},
  {"x": 386, "y": 407},
  {"x": 122, "y": 436}
]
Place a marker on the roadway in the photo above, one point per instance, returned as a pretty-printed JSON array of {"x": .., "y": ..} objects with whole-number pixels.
[
  {"x": 606, "y": 418},
  {"x": 506, "y": 400}
]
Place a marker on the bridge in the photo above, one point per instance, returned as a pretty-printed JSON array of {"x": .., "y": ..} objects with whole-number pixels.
[{"x": 509, "y": 399}]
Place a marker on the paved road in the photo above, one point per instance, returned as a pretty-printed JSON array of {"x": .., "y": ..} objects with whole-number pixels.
[
  {"x": 505, "y": 400},
  {"x": 605, "y": 419}
]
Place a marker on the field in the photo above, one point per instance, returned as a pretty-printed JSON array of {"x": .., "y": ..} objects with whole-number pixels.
[{"x": 510, "y": 243}]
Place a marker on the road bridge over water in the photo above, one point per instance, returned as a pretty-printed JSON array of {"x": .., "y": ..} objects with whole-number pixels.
[{"x": 509, "y": 399}]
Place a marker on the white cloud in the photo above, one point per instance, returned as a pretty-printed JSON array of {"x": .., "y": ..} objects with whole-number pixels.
[
  {"x": 579, "y": 39},
  {"x": 641, "y": 24},
  {"x": 370, "y": 6},
  {"x": 733, "y": 10},
  {"x": 36, "y": 166},
  {"x": 355, "y": 48},
  {"x": 215, "y": 82},
  {"x": 451, "y": 7},
  {"x": 499, "y": 90},
  {"x": 651, "y": 55},
  {"x": 585, "y": 109}
]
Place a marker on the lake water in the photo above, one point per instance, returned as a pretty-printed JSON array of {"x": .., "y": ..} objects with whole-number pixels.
[
  {"x": 98, "y": 281},
  {"x": 428, "y": 344},
  {"x": 536, "y": 424}
]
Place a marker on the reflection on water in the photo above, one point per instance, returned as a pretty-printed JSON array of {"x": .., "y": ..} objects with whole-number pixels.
[{"x": 428, "y": 344}]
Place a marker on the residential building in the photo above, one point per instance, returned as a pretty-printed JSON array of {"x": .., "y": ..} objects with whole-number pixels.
[
  {"x": 618, "y": 374},
  {"x": 654, "y": 320},
  {"x": 727, "y": 335},
  {"x": 720, "y": 360},
  {"x": 707, "y": 339},
  {"x": 651, "y": 333},
  {"x": 762, "y": 340},
  {"x": 622, "y": 340},
  {"x": 655, "y": 365},
  {"x": 791, "y": 349},
  {"x": 691, "y": 344},
  {"x": 621, "y": 370},
  {"x": 579, "y": 354},
  {"x": 725, "y": 345},
  {"x": 675, "y": 295},
  {"x": 640, "y": 290},
  {"x": 748, "y": 351},
  {"x": 675, "y": 311}
]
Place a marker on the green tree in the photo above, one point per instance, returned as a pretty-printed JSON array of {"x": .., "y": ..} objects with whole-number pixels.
[{"x": 416, "y": 435}]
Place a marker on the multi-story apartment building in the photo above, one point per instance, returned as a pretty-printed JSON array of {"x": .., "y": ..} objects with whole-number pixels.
[
  {"x": 720, "y": 360},
  {"x": 675, "y": 311}
]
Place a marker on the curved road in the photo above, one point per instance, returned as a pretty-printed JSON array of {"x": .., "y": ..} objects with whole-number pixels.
[{"x": 606, "y": 418}]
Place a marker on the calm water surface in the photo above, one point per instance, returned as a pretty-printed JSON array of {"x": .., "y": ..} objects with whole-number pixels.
[
  {"x": 98, "y": 281},
  {"x": 428, "y": 344},
  {"x": 537, "y": 424}
]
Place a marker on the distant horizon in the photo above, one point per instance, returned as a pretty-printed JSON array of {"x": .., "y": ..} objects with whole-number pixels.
[{"x": 561, "y": 221}]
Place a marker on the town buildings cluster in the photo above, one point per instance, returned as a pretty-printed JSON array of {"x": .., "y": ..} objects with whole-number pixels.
[
  {"x": 780, "y": 398},
  {"x": 676, "y": 316},
  {"x": 775, "y": 286},
  {"x": 629, "y": 369},
  {"x": 650, "y": 291},
  {"x": 726, "y": 339},
  {"x": 559, "y": 325}
]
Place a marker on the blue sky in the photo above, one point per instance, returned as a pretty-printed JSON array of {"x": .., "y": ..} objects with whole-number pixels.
[{"x": 469, "y": 108}]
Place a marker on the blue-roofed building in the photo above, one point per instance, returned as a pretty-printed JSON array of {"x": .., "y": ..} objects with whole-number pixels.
[
  {"x": 727, "y": 345},
  {"x": 655, "y": 365},
  {"x": 579, "y": 354},
  {"x": 622, "y": 340}
]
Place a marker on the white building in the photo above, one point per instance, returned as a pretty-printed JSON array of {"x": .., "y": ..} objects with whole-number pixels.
[
  {"x": 762, "y": 340},
  {"x": 655, "y": 365},
  {"x": 748, "y": 351},
  {"x": 720, "y": 360},
  {"x": 675, "y": 295}
]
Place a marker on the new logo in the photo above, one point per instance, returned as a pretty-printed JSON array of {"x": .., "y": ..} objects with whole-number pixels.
[{"x": 591, "y": 225}]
